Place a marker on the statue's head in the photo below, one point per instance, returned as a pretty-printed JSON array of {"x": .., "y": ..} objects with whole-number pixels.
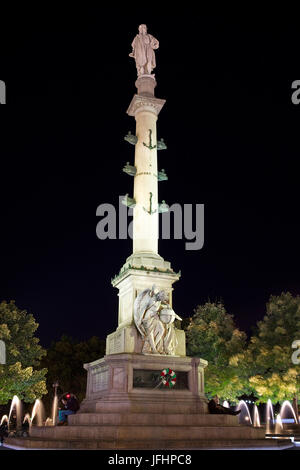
[
  {"x": 162, "y": 296},
  {"x": 143, "y": 29}
]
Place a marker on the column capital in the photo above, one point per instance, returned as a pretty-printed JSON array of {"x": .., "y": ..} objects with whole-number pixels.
[{"x": 145, "y": 103}]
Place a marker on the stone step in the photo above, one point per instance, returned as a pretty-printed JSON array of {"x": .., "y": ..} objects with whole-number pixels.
[
  {"x": 146, "y": 433},
  {"x": 137, "y": 404},
  {"x": 155, "y": 419},
  {"x": 34, "y": 443}
]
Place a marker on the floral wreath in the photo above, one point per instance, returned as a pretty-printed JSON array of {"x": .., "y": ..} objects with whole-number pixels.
[{"x": 168, "y": 377}]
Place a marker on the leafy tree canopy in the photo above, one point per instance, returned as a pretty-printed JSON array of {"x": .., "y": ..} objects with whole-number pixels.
[
  {"x": 268, "y": 357},
  {"x": 213, "y": 335},
  {"x": 21, "y": 374}
]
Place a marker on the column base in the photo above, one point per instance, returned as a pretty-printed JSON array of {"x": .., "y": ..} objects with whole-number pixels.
[{"x": 130, "y": 383}]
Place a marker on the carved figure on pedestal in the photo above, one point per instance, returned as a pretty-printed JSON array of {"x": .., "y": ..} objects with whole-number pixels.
[{"x": 154, "y": 319}]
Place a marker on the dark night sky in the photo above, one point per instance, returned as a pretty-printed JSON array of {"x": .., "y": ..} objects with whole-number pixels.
[{"x": 233, "y": 144}]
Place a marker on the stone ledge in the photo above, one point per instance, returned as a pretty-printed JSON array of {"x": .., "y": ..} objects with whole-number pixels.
[
  {"x": 155, "y": 419},
  {"x": 147, "y": 433},
  {"x": 268, "y": 444}
]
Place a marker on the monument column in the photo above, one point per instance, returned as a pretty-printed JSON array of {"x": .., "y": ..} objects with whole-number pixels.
[
  {"x": 145, "y": 108},
  {"x": 146, "y": 341},
  {"x": 144, "y": 268}
]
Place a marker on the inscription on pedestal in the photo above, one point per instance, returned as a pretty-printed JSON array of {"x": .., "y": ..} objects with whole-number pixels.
[
  {"x": 100, "y": 378},
  {"x": 116, "y": 342}
]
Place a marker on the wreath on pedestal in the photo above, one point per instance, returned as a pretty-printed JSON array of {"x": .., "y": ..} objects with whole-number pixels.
[{"x": 168, "y": 378}]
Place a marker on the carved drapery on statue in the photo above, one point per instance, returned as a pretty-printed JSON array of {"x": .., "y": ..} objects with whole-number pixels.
[
  {"x": 143, "y": 47},
  {"x": 154, "y": 320}
]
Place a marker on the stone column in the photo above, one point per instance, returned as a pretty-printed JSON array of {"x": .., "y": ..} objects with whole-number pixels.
[
  {"x": 144, "y": 267},
  {"x": 145, "y": 108}
]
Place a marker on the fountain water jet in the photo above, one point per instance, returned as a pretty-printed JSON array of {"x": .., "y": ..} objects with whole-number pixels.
[
  {"x": 4, "y": 418},
  {"x": 269, "y": 417},
  {"x": 256, "y": 418},
  {"x": 286, "y": 408},
  {"x": 27, "y": 418},
  {"x": 278, "y": 425},
  {"x": 17, "y": 405},
  {"x": 54, "y": 410},
  {"x": 38, "y": 412},
  {"x": 244, "y": 417}
]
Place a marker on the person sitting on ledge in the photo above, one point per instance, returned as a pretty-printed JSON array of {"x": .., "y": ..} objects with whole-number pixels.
[
  {"x": 214, "y": 407},
  {"x": 70, "y": 407}
]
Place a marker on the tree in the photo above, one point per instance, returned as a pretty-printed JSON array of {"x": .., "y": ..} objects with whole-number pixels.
[
  {"x": 213, "y": 335},
  {"x": 21, "y": 374},
  {"x": 64, "y": 361},
  {"x": 268, "y": 358}
]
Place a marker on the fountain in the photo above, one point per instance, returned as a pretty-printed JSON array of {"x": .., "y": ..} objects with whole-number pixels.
[
  {"x": 286, "y": 422},
  {"x": 37, "y": 415},
  {"x": 256, "y": 418},
  {"x": 55, "y": 385},
  {"x": 285, "y": 410},
  {"x": 27, "y": 419},
  {"x": 269, "y": 417},
  {"x": 54, "y": 410},
  {"x": 38, "y": 412},
  {"x": 16, "y": 406},
  {"x": 278, "y": 425},
  {"x": 244, "y": 416},
  {"x": 4, "y": 418}
]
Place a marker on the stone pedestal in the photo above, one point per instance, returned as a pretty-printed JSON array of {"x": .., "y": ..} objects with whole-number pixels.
[
  {"x": 145, "y": 85},
  {"x": 129, "y": 383},
  {"x": 140, "y": 272},
  {"x": 124, "y": 409}
]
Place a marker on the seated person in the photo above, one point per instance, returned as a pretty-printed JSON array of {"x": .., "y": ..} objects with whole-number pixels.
[
  {"x": 214, "y": 407},
  {"x": 70, "y": 406}
]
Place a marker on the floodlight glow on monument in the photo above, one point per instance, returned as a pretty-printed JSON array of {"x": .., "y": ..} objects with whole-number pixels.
[
  {"x": 145, "y": 393},
  {"x": 146, "y": 341}
]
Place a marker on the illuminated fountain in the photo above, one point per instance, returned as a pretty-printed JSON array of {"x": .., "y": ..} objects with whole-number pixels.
[
  {"x": 54, "y": 410},
  {"x": 4, "y": 418},
  {"x": 37, "y": 416},
  {"x": 256, "y": 418},
  {"x": 15, "y": 407},
  {"x": 287, "y": 412},
  {"x": 55, "y": 385},
  {"x": 269, "y": 417},
  {"x": 244, "y": 416},
  {"x": 278, "y": 425},
  {"x": 286, "y": 421},
  {"x": 27, "y": 419},
  {"x": 38, "y": 413}
]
